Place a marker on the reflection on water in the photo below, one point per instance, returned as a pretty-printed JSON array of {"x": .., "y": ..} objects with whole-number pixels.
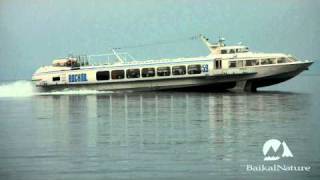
[
  {"x": 155, "y": 118},
  {"x": 150, "y": 134}
]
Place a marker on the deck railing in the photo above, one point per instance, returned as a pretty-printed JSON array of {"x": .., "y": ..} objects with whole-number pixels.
[{"x": 103, "y": 59}]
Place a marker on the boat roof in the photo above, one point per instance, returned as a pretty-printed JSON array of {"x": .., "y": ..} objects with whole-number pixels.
[
  {"x": 234, "y": 47},
  {"x": 123, "y": 58}
]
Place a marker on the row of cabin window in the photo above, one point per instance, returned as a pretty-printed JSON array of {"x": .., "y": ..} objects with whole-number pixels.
[
  {"x": 255, "y": 62},
  {"x": 148, "y": 72},
  {"x": 232, "y": 51}
]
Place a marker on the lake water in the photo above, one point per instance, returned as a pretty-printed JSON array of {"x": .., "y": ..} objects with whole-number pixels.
[{"x": 158, "y": 135}]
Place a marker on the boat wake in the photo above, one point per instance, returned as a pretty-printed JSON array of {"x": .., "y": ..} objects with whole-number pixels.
[{"x": 23, "y": 88}]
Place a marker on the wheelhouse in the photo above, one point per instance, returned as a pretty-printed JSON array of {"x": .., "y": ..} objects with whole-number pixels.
[{"x": 233, "y": 49}]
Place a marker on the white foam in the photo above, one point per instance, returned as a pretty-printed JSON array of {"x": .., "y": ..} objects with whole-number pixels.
[
  {"x": 24, "y": 88},
  {"x": 71, "y": 92},
  {"x": 17, "y": 89}
]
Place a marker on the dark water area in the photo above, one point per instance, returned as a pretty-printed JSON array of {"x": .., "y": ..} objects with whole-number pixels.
[{"x": 159, "y": 135}]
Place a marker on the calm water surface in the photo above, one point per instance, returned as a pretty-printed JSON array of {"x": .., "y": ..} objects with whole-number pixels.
[{"x": 159, "y": 135}]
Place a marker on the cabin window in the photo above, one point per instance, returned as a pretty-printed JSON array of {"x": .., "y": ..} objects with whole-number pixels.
[
  {"x": 179, "y": 70},
  {"x": 133, "y": 73},
  {"x": 117, "y": 74},
  {"x": 243, "y": 50},
  {"x": 252, "y": 62},
  {"x": 240, "y": 63},
  {"x": 232, "y": 51},
  {"x": 163, "y": 71},
  {"x": 56, "y": 78},
  {"x": 148, "y": 72},
  {"x": 292, "y": 59},
  {"x": 102, "y": 75},
  {"x": 224, "y": 51},
  {"x": 232, "y": 64},
  {"x": 282, "y": 60},
  {"x": 217, "y": 63},
  {"x": 267, "y": 61},
  {"x": 194, "y": 69}
]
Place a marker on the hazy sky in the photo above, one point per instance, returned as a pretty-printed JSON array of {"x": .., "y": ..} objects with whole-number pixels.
[{"x": 33, "y": 32}]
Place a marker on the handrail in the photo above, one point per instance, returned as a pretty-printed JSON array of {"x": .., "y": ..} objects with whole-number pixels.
[{"x": 107, "y": 58}]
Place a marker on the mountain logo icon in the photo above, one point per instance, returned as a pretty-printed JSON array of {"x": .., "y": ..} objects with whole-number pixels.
[{"x": 273, "y": 150}]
